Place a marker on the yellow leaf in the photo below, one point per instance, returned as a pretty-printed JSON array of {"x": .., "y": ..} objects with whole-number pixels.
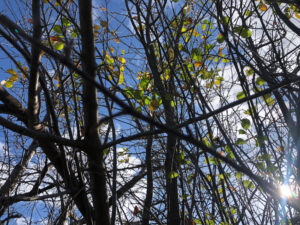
[
  {"x": 11, "y": 71},
  {"x": 9, "y": 84},
  {"x": 195, "y": 33},
  {"x": 279, "y": 149},
  {"x": 197, "y": 64},
  {"x": 297, "y": 15},
  {"x": 187, "y": 9},
  {"x": 117, "y": 40},
  {"x": 123, "y": 51},
  {"x": 14, "y": 77},
  {"x": 121, "y": 68},
  {"x": 111, "y": 49},
  {"x": 167, "y": 77},
  {"x": 110, "y": 77},
  {"x": 59, "y": 46},
  {"x": 151, "y": 107},
  {"x": 122, "y": 60},
  {"x": 96, "y": 27},
  {"x": 141, "y": 28},
  {"x": 220, "y": 52},
  {"x": 121, "y": 78},
  {"x": 103, "y": 9},
  {"x": 154, "y": 104},
  {"x": 263, "y": 7}
]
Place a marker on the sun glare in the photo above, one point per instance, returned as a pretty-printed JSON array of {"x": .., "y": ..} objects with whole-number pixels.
[{"x": 285, "y": 191}]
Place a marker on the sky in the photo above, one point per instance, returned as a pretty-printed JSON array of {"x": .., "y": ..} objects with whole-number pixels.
[{"x": 228, "y": 73}]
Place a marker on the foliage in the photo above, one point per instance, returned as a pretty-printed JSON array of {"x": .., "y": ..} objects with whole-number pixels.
[{"x": 151, "y": 112}]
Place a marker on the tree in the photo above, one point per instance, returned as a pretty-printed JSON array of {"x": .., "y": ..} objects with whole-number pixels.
[{"x": 161, "y": 112}]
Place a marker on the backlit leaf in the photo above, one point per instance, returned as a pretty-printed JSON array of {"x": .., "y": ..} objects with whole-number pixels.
[
  {"x": 262, "y": 6},
  {"x": 122, "y": 60},
  {"x": 11, "y": 71},
  {"x": 172, "y": 175},
  {"x": 9, "y": 84},
  {"x": 240, "y": 95},
  {"x": 220, "y": 38},
  {"x": 197, "y": 64},
  {"x": 121, "y": 78},
  {"x": 59, "y": 46},
  {"x": 57, "y": 29}
]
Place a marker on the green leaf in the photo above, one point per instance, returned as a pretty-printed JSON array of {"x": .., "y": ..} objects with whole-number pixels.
[
  {"x": 249, "y": 71},
  {"x": 57, "y": 29},
  {"x": 242, "y": 132},
  {"x": 233, "y": 211},
  {"x": 238, "y": 175},
  {"x": 66, "y": 22},
  {"x": 214, "y": 161},
  {"x": 248, "y": 13},
  {"x": 225, "y": 20},
  {"x": 240, "y": 95},
  {"x": 147, "y": 100},
  {"x": 268, "y": 99},
  {"x": 197, "y": 221},
  {"x": 260, "y": 140},
  {"x": 206, "y": 161},
  {"x": 242, "y": 31},
  {"x": 220, "y": 38},
  {"x": 172, "y": 175},
  {"x": 247, "y": 112},
  {"x": 185, "y": 196},
  {"x": 230, "y": 154},
  {"x": 248, "y": 184},
  {"x": 190, "y": 178},
  {"x": 219, "y": 80},
  {"x": 259, "y": 81},
  {"x": 197, "y": 54},
  {"x": 209, "y": 222},
  {"x": 246, "y": 124},
  {"x": 106, "y": 151},
  {"x": 240, "y": 141}
]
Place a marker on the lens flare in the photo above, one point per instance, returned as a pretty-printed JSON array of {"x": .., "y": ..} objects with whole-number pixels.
[{"x": 285, "y": 191}]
